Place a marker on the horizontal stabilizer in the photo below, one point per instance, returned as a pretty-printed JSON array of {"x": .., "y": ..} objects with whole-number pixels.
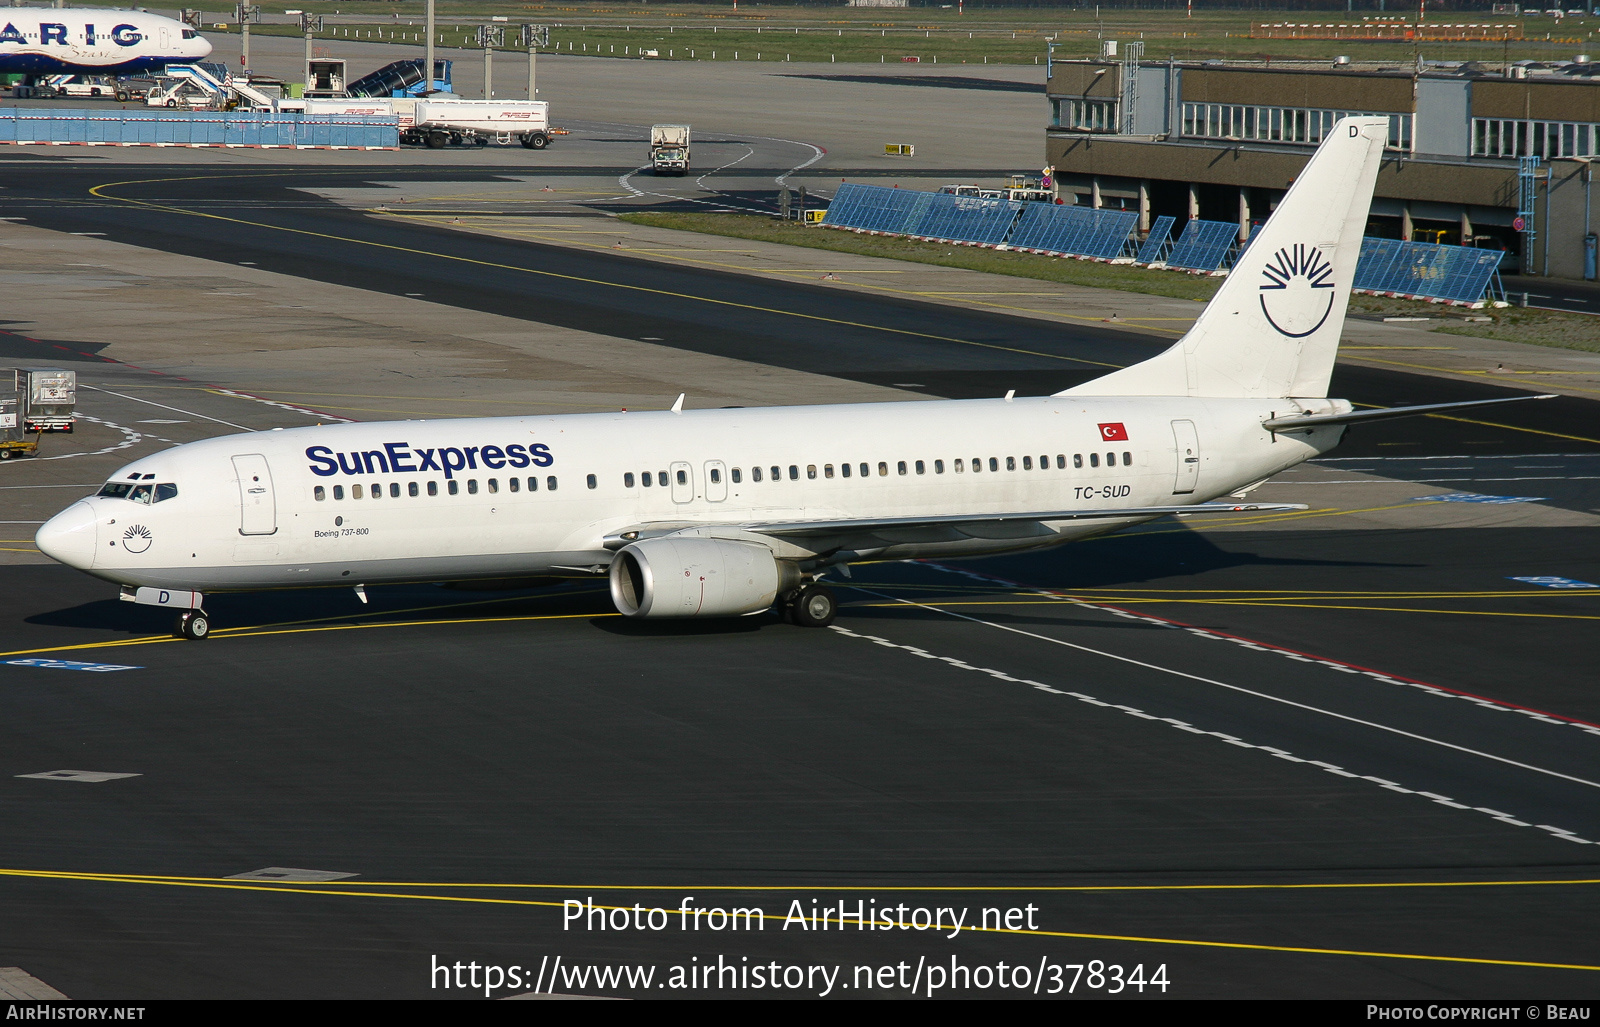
[{"x": 1356, "y": 416}]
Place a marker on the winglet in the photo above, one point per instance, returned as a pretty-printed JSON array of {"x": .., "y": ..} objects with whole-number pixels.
[{"x": 677, "y": 407}]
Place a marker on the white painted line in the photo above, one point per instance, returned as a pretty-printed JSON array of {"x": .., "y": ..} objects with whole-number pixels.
[
  {"x": 289, "y": 874},
  {"x": 1283, "y": 754},
  {"x": 160, "y": 420},
  {"x": 86, "y": 776},
  {"x": 151, "y": 402},
  {"x": 129, "y": 438},
  {"x": 1248, "y": 691},
  {"x": 16, "y": 984}
]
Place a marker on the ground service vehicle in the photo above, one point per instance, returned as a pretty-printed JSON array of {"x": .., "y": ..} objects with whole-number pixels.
[
  {"x": 441, "y": 122},
  {"x": 669, "y": 149},
  {"x": 46, "y": 397}
]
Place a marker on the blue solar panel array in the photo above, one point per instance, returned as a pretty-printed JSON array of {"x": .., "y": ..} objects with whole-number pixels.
[
  {"x": 872, "y": 208},
  {"x": 1434, "y": 270},
  {"x": 199, "y": 128},
  {"x": 1075, "y": 231},
  {"x": 1156, "y": 240},
  {"x": 1203, "y": 246}
]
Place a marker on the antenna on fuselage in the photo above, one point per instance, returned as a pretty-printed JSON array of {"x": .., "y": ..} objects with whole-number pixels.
[{"x": 677, "y": 407}]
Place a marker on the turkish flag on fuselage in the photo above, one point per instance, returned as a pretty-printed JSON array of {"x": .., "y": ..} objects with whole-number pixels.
[{"x": 1113, "y": 432}]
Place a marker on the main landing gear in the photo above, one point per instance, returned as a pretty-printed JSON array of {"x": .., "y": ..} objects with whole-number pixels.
[
  {"x": 194, "y": 625},
  {"x": 811, "y": 606}
]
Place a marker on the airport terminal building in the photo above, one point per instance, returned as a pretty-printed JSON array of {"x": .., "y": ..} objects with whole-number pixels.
[{"x": 1222, "y": 141}]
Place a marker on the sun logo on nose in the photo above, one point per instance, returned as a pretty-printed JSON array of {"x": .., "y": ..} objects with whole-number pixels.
[
  {"x": 137, "y": 538},
  {"x": 1289, "y": 297}
]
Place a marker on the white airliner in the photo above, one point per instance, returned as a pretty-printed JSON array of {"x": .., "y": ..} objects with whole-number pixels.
[
  {"x": 721, "y": 513},
  {"x": 49, "y": 41}
]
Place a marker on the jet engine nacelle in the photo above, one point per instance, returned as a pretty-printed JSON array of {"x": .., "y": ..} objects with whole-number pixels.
[{"x": 697, "y": 577}]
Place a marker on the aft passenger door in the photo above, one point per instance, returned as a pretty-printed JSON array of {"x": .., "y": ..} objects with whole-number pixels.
[
  {"x": 716, "y": 481},
  {"x": 682, "y": 482},
  {"x": 1188, "y": 446},
  {"x": 258, "y": 509}
]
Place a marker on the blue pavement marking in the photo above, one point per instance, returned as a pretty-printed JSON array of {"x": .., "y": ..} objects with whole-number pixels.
[
  {"x": 1550, "y": 582},
  {"x": 1473, "y": 497},
  {"x": 96, "y": 668}
]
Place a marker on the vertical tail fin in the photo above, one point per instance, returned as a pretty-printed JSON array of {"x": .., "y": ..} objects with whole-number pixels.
[{"x": 1273, "y": 328}]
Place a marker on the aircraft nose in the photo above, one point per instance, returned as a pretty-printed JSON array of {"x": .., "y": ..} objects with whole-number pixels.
[
  {"x": 69, "y": 536},
  {"x": 205, "y": 47}
]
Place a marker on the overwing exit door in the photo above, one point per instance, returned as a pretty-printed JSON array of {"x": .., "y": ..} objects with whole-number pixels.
[
  {"x": 682, "y": 482},
  {"x": 258, "y": 509},
  {"x": 1188, "y": 446}
]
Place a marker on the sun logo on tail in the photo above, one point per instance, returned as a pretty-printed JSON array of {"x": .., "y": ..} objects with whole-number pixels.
[{"x": 1292, "y": 275}]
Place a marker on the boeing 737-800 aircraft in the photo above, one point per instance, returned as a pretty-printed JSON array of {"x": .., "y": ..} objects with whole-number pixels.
[
  {"x": 48, "y": 41},
  {"x": 721, "y": 513}
]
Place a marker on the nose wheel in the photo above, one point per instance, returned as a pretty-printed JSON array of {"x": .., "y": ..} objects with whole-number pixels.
[{"x": 194, "y": 625}]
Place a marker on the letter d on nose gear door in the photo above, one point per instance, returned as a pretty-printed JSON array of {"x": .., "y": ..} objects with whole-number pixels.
[
  {"x": 258, "y": 510},
  {"x": 1188, "y": 447}
]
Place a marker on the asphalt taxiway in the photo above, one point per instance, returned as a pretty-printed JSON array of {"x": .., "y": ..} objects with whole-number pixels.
[{"x": 1350, "y": 752}]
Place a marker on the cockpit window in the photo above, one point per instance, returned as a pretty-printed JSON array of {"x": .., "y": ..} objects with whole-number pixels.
[
  {"x": 190, "y": 34},
  {"x": 146, "y": 494}
]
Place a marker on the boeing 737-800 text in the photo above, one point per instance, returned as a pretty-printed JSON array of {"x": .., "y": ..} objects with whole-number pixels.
[{"x": 721, "y": 513}]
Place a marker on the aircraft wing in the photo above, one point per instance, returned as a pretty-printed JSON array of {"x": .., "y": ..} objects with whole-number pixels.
[{"x": 944, "y": 527}]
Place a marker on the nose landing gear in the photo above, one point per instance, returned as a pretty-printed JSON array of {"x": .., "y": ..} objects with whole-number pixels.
[{"x": 193, "y": 625}]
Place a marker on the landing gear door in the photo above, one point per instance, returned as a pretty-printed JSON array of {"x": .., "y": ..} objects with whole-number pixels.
[
  {"x": 258, "y": 509},
  {"x": 716, "y": 481},
  {"x": 682, "y": 482},
  {"x": 1188, "y": 447}
]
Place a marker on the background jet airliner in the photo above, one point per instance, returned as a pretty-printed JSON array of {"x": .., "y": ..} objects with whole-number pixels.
[
  {"x": 48, "y": 41},
  {"x": 721, "y": 513}
]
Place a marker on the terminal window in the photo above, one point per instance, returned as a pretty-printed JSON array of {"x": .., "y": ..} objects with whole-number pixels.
[
  {"x": 1502, "y": 137},
  {"x": 1280, "y": 124}
]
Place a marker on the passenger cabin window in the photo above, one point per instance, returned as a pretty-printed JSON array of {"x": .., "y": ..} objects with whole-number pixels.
[
  {"x": 864, "y": 470},
  {"x": 453, "y": 487},
  {"x": 938, "y": 467},
  {"x": 738, "y": 475},
  {"x": 550, "y": 483},
  {"x": 472, "y": 487},
  {"x": 411, "y": 488},
  {"x": 319, "y": 493},
  {"x": 1011, "y": 463},
  {"x": 1061, "y": 461},
  {"x": 716, "y": 476},
  {"x": 394, "y": 490},
  {"x": 900, "y": 466},
  {"x": 1077, "y": 459},
  {"x": 377, "y": 490},
  {"x": 994, "y": 464},
  {"x": 594, "y": 482},
  {"x": 338, "y": 492},
  {"x": 1094, "y": 459},
  {"x": 755, "y": 474},
  {"x": 961, "y": 466},
  {"x": 494, "y": 484},
  {"x": 883, "y": 469},
  {"x": 977, "y": 464},
  {"x": 646, "y": 479},
  {"x": 811, "y": 472},
  {"x": 921, "y": 467},
  {"x": 1044, "y": 463},
  {"x": 627, "y": 480},
  {"x": 777, "y": 473},
  {"x": 433, "y": 489},
  {"x": 355, "y": 492},
  {"x": 1127, "y": 461},
  {"x": 827, "y": 470},
  {"x": 1111, "y": 459},
  {"x": 661, "y": 479},
  {"x": 683, "y": 477},
  {"x": 533, "y": 484},
  {"x": 794, "y": 472},
  {"x": 516, "y": 483},
  {"x": 1027, "y": 463},
  {"x": 844, "y": 470}
]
